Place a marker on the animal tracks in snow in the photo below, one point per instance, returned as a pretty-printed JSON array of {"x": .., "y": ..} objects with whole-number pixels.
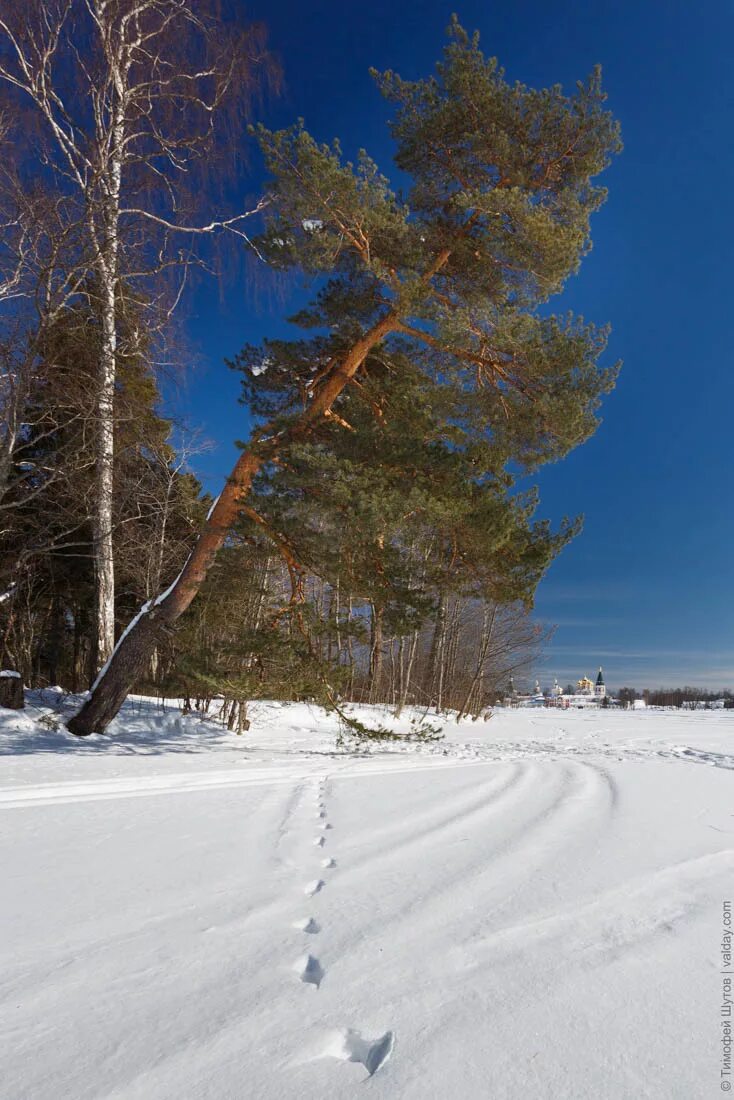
[
  {"x": 348, "y": 1044},
  {"x": 308, "y": 967},
  {"x": 351, "y": 1046},
  {"x": 309, "y": 925},
  {"x": 310, "y": 970}
]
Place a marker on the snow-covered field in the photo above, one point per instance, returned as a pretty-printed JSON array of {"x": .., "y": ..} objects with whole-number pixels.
[{"x": 532, "y": 908}]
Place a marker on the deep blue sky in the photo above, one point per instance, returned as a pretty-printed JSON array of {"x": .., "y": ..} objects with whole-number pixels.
[{"x": 647, "y": 588}]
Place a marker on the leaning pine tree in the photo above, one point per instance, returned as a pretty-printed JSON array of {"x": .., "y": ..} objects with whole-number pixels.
[{"x": 495, "y": 221}]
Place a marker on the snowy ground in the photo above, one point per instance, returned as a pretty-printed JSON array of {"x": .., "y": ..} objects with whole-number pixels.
[{"x": 531, "y": 909}]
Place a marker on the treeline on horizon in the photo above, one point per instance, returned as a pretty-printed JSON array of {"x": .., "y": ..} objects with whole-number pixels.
[
  {"x": 372, "y": 542},
  {"x": 676, "y": 697}
]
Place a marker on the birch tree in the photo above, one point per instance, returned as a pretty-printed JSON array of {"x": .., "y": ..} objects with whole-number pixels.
[
  {"x": 41, "y": 269},
  {"x": 128, "y": 106}
]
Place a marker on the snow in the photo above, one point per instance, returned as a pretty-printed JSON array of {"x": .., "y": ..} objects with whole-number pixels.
[
  {"x": 212, "y": 506},
  {"x": 8, "y": 674},
  {"x": 260, "y": 368},
  {"x": 532, "y": 907}
]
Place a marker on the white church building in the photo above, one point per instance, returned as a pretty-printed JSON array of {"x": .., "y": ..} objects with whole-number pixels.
[{"x": 586, "y": 694}]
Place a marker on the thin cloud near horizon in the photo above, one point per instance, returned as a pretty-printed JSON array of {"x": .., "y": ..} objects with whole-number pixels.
[{"x": 680, "y": 672}]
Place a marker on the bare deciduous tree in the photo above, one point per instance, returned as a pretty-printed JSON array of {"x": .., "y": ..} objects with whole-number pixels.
[{"x": 132, "y": 100}]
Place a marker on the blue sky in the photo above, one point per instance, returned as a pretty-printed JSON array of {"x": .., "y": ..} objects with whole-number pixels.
[{"x": 647, "y": 589}]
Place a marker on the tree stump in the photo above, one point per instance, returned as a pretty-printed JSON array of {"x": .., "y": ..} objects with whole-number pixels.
[{"x": 11, "y": 690}]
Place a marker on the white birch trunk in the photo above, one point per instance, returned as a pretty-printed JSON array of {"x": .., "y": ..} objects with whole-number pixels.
[
  {"x": 104, "y": 556},
  {"x": 104, "y": 560}
]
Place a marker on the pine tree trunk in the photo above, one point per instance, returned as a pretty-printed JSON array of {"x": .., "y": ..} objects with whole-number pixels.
[
  {"x": 55, "y": 641},
  {"x": 453, "y": 637},
  {"x": 262, "y": 592},
  {"x": 392, "y": 693},
  {"x": 336, "y": 612},
  {"x": 350, "y": 649},
  {"x": 401, "y": 676},
  {"x": 435, "y": 660},
  {"x": 133, "y": 651},
  {"x": 375, "y": 653},
  {"x": 78, "y": 661},
  {"x": 408, "y": 674}
]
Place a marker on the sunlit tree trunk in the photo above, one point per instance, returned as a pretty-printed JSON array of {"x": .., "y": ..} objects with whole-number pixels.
[{"x": 104, "y": 558}]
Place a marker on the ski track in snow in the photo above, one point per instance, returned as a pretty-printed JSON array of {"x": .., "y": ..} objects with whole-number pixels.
[
  {"x": 141, "y": 786},
  {"x": 528, "y": 816}
]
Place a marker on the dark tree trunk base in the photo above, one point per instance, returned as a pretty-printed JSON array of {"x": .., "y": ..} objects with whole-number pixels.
[
  {"x": 129, "y": 661},
  {"x": 11, "y": 691}
]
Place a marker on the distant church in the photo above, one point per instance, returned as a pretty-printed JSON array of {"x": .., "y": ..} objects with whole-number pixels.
[
  {"x": 587, "y": 694},
  {"x": 585, "y": 686}
]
